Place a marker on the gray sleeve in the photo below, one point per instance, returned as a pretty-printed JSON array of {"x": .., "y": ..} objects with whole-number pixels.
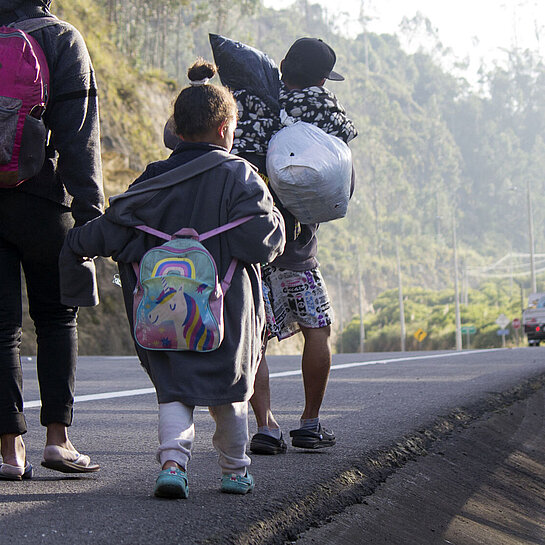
[
  {"x": 78, "y": 283},
  {"x": 72, "y": 117},
  {"x": 98, "y": 237}
]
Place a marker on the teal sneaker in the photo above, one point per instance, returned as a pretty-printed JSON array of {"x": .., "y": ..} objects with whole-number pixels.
[
  {"x": 171, "y": 483},
  {"x": 237, "y": 484}
]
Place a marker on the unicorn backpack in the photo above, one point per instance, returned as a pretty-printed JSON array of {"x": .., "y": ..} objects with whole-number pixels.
[{"x": 178, "y": 300}]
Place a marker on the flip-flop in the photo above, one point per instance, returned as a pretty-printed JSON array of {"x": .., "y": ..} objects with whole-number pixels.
[
  {"x": 67, "y": 461},
  {"x": 9, "y": 472}
]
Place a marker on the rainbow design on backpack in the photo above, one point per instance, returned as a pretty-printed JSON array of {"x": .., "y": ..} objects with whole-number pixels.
[{"x": 174, "y": 265}]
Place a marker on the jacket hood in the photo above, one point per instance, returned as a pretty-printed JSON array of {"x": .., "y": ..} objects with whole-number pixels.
[
  {"x": 10, "y": 5},
  {"x": 122, "y": 207}
]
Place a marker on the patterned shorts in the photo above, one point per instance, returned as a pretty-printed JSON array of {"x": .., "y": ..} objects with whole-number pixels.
[{"x": 294, "y": 298}]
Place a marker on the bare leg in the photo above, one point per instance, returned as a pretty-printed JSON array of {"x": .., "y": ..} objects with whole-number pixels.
[
  {"x": 13, "y": 449},
  {"x": 61, "y": 455},
  {"x": 57, "y": 434},
  {"x": 316, "y": 364},
  {"x": 261, "y": 400},
  {"x": 171, "y": 463},
  {"x": 265, "y": 441}
]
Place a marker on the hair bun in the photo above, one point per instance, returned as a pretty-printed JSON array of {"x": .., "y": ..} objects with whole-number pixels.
[{"x": 201, "y": 69}]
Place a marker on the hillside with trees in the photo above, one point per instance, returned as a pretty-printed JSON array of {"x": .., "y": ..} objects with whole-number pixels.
[{"x": 432, "y": 151}]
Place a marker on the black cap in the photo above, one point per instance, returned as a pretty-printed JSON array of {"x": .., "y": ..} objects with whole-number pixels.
[{"x": 313, "y": 57}]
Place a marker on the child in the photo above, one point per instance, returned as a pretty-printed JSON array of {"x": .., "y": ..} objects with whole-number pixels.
[{"x": 205, "y": 118}]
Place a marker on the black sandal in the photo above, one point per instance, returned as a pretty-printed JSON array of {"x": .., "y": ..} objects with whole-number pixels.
[
  {"x": 313, "y": 439},
  {"x": 262, "y": 443}
]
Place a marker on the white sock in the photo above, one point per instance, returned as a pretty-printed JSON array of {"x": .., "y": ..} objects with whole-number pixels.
[
  {"x": 271, "y": 432},
  {"x": 309, "y": 423}
]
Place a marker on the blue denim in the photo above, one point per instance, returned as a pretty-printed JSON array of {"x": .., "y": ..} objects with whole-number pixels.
[{"x": 32, "y": 231}]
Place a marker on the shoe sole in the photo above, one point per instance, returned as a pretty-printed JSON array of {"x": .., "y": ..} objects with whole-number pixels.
[
  {"x": 64, "y": 466},
  {"x": 171, "y": 491},
  {"x": 258, "y": 447},
  {"x": 313, "y": 444},
  {"x": 236, "y": 490},
  {"x": 4, "y": 477},
  {"x": 27, "y": 475}
]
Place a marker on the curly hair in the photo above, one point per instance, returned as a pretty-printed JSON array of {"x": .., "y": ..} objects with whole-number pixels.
[{"x": 201, "y": 107}]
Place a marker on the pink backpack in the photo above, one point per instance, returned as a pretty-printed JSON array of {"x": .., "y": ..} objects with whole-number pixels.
[{"x": 24, "y": 89}]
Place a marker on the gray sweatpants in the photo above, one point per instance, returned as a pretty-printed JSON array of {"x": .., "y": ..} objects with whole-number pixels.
[{"x": 177, "y": 434}]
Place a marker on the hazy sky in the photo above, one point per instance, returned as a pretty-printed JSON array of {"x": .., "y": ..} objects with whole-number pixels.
[{"x": 479, "y": 28}]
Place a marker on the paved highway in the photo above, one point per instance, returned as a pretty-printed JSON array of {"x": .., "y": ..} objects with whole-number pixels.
[{"x": 385, "y": 410}]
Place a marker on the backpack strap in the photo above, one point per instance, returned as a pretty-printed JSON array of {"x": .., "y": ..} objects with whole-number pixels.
[
  {"x": 213, "y": 232},
  {"x": 154, "y": 232},
  {"x": 226, "y": 282},
  {"x": 188, "y": 232},
  {"x": 35, "y": 23}
]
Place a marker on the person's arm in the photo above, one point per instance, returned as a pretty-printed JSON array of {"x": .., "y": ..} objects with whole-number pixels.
[
  {"x": 262, "y": 238},
  {"x": 98, "y": 237},
  {"x": 72, "y": 118}
]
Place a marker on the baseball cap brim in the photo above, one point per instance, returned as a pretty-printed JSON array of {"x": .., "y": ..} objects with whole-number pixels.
[{"x": 335, "y": 76}]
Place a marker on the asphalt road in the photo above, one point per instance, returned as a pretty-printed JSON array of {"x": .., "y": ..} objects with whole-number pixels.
[{"x": 387, "y": 410}]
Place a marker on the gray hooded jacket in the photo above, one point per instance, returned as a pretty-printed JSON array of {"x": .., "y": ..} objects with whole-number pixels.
[{"x": 221, "y": 189}]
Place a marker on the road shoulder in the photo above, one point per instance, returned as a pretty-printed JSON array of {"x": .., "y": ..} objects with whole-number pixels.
[{"x": 483, "y": 485}]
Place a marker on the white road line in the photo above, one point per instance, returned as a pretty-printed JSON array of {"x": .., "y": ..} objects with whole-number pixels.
[
  {"x": 145, "y": 391},
  {"x": 105, "y": 395},
  {"x": 391, "y": 360}
]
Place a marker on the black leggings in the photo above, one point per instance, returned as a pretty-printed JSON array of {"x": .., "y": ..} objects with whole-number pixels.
[{"x": 32, "y": 231}]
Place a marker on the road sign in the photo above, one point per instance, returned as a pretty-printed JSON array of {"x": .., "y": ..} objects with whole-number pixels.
[
  {"x": 420, "y": 335},
  {"x": 516, "y": 323},
  {"x": 502, "y": 332},
  {"x": 469, "y": 329},
  {"x": 503, "y": 321}
]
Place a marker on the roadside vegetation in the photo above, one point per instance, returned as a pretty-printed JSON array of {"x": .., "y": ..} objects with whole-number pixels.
[
  {"x": 433, "y": 312},
  {"x": 433, "y": 151}
]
